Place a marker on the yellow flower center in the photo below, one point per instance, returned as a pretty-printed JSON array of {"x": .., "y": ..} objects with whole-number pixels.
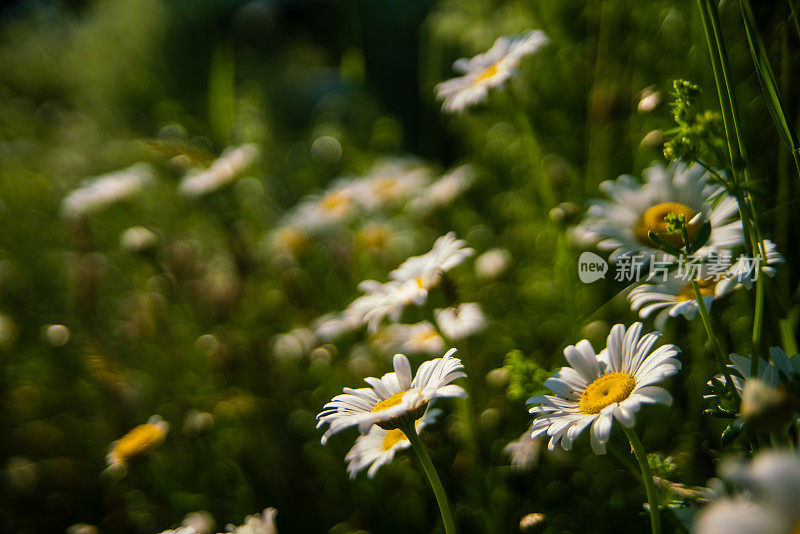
[
  {"x": 606, "y": 390},
  {"x": 420, "y": 282},
  {"x": 334, "y": 202},
  {"x": 706, "y": 286},
  {"x": 652, "y": 220},
  {"x": 392, "y": 438},
  {"x": 138, "y": 441},
  {"x": 488, "y": 72},
  {"x": 424, "y": 336},
  {"x": 394, "y": 400},
  {"x": 385, "y": 187}
]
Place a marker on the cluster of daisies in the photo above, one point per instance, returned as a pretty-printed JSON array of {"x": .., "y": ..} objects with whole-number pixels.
[{"x": 622, "y": 223}]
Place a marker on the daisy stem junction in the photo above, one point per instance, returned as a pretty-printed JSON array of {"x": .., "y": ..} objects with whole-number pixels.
[
  {"x": 647, "y": 478},
  {"x": 430, "y": 471}
]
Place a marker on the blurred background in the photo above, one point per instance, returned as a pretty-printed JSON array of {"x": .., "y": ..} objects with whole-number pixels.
[{"x": 124, "y": 303}]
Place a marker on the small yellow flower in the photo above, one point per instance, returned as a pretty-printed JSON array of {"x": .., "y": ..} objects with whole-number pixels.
[{"x": 141, "y": 440}]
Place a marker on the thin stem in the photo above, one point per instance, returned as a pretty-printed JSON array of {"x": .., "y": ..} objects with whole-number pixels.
[
  {"x": 647, "y": 478},
  {"x": 794, "y": 17},
  {"x": 427, "y": 465},
  {"x": 533, "y": 147},
  {"x": 758, "y": 320},
  {"x": 718, "y": 353}
]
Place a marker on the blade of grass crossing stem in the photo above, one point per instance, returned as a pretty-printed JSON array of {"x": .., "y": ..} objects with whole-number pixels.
[{"x": 769, "y": 85}]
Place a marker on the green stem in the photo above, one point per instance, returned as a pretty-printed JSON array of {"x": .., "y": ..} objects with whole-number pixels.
[
  {"x": 794, "y": 17},
  {"x": 647, "y": 478},
  {"x": 427, "y": 465},
  {"x": 758, "y": 320},
  {"x": 715, "y": 344},
  {"x": 533, "y": 147}
]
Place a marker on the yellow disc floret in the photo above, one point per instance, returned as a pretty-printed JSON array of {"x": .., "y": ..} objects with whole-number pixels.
[
  {"x": 392, "y": 438},
  {"x": 606, "y": 390},
  {"x": 140, "y": 440},
  {"x": 489, "y": 72},
  {"x": 653, "y": 220},
  {"x": 707, "y": 286},
  {"x": 394, "y": 400}
]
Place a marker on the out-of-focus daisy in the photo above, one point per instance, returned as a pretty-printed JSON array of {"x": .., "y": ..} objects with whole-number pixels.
[
  {"x": 222, "y": 171},
  {"x": 745, "y": 270},
  {"x": 461, "y": 321},
  {"x": 94, "y": 194},
  {"x": 770, "y": 373},
  {"x": 487, "y": 71},
  {"x": 383, "y": 300},
  {"x": 622, "y": 223},
  {"x": 395, "y": 399},
  {"x": 524, "y": 451},
  {"x": 263, "y": 523},
  {"x": 390, "y": 182},
  {"x": 320, "y": 212},
  {"x": 443, "y": 191},
  {"x": 674, "y": 297},
  {"x": 420, "y": 337},
  {"x": 767, "y": 500},
  {"x": 492, "y": 263},
  {"x": 141, "y": 440},
  {"x": 331, "y": 326},
  {"x": 426, "y": 270},
  {"x": 599, "y": 388},
  {"x": 377, "y": 447},
  {"x": 181, "y": 530}
]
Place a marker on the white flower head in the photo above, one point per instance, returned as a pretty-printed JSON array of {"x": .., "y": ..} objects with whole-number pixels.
[
  {"x": 621, "y": 224},
  {"x": 599, "y": 388},
  {"x": 390, "y": 182},
  {"x": 420, "y": 337},
  {"x": 524, "y": 451},
  {"x": 745, "y": 270},
  {"x": 377, "y": 447},
  {"x": 263, "y": 523},
  {"x": 382, "y": 300},
  {"x": 426, "y": 270},
  {"x": 770, "y": 373},
  {"x": 396, "y": 398},
  {"x": 675, "y": 296},
  {"x": 492, "y": 263},
  {"x": 222, "y": 171},
  {"x": 95, "y": 194},
  {"x": 767, "y": 500},
  {"x": 487, "y": 71},
  {"x": 181, "y": 530},
  {"x": 322, "y": 211},
  {"x": 461, "y": 321},
  {"x": 443, "y": 191}
]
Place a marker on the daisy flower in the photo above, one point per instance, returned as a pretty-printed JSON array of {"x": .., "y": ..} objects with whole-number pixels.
[
  {"x": 396, "y": 399},
  {"x": 181, "y": 530},
  {"x": 95, "y": 194},
  {"x": 377, "y": 447},
  {"x": 461, "y": 321},
  {"x": 382, "y": 300},
  {"x": 675, "y": 296},
  {"x": 766, "y": 501},
  {"x": 420, "y": 337},
  {"x": 769, "y": 373},
  {"x": 621, "y": 224},
  {"x": 599, "y": 388},
  {"x": 443, "y": 191},
  {"x": 745, "y": 270},
  {"x": 487, "y": 71},
  {"x": 524, "y": 451},
  {"x": 263, "y": 523},
  {"x": 319, "y": 212},
  {"x": 390, "y": 182},
  {"x": 141, "y": 440},
  {"x": 222, "y": 171},
  {"x": 425, "y": 271}
]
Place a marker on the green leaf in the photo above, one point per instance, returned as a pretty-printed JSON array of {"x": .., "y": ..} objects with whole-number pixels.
[
  {"x": 702, "y": 237},
  {"x": 663, "y": 245},
  {"x": 766, "y": 78}
]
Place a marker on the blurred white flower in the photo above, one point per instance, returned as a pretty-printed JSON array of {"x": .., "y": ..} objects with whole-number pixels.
[
  {"x": 321, "y": 211},
  {"x": 426, "y": 270},
  {"x": 525, "y": 450},
  {"x": 461, "y": 321},
  {"x": 443, "y": 191},
  {"x": 745, "y": 270},
  {"x": 768, "y": 500},
  {"x": 492, "y": 263},
  {"x": 395, "y": 399},
  {"x": 94, "y": 194},
  {"x": 390, "y": 182},
  {"x": 330, "y": 326},
  {"x": 293, "y": 344},
  {"x": 222, "y": 171},
  {"x": 138, "y": 239},
  {"x": 181, "y": 530},
  {"x": 377, "y": 447},
  {"x": 769, "y": 373},
  {"x": 383, "y": 300},
  {"x": 599, "y": 388},
  {"x": 649, "y": 99},
  {"x": 201, "y": 520},
  {"x": 622, "y": 223},
  {"x": 487, "y": 71},
  {"x": 420, "y": 337},
  {"x": 263, "y": 523}
]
